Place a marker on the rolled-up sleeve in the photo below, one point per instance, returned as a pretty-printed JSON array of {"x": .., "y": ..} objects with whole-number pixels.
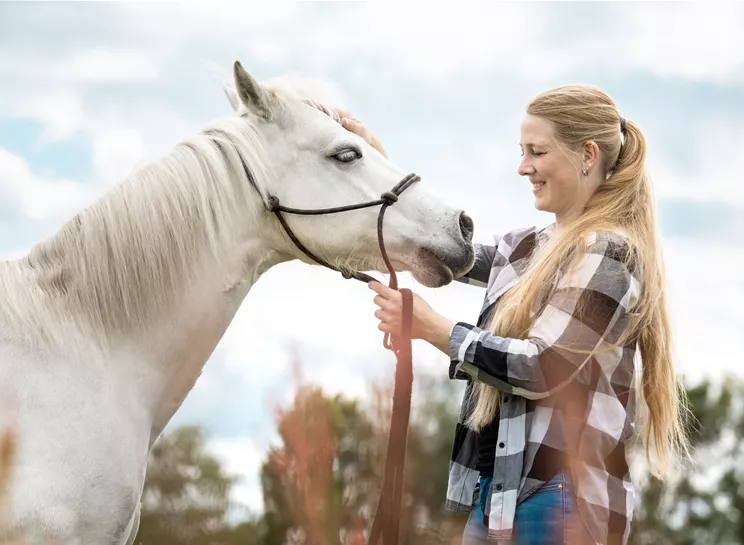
[{"x": 587, "y": 311}]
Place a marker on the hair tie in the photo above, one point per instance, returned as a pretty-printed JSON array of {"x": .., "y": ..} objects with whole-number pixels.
[{"x": 622, "y": 125}]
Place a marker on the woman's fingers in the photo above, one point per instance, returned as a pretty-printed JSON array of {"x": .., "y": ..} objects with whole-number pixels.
[
  {"x": 387, "y": 292},
  {"x": 347, "y": 114},
  {"x": 388, "y": 317},
  {"x": 387, "y": 328},
  {"x": 360, "y": 129},
  {"x": 383, "y": 303},
  {"x": 356, "y": 127}
]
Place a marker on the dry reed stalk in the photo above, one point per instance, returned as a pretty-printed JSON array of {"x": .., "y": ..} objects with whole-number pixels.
[{"x": 7, "y": 450}]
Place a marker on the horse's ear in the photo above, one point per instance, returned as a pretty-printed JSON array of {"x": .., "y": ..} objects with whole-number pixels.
[{"x": 250, "y": 92}]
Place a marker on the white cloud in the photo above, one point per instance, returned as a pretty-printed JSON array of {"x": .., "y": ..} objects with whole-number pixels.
[
  {"x": 691, "y": 42},
  {"x": 108, "y": 65},
  {"x": 53, "y": 89},
  {"x": 238, "y": 15},
  {"x": 69, "y": 66},
  {"x": 698, "y": 42},
  {"x": 444, "y": 40},
  {"x": 706, "y": 291},
  {"x": 373, "y": 44},
  {"x": 392, "y": 41},
  {"x": 12, "y": 254},
  {"x": 116, "y": 152},
  {"x": 42, "y": 200},
  {"x": 60, "y": 111},
  {"x": 300, "y": 308},
  {"x": 716, "y": 177},
  {"x": 242, "y": 457}
]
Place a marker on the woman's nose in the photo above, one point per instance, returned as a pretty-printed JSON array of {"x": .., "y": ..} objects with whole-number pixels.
[{"x": 524, "y": 168}]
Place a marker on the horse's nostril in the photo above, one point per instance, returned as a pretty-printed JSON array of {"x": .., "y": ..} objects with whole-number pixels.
[{"x": 466, "y": 227}]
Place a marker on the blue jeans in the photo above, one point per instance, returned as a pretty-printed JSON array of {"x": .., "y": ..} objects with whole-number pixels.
[{"x": 548, "y": 517}]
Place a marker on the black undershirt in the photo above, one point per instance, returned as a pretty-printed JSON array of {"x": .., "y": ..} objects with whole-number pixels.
[{"x": 487, "y": 448}]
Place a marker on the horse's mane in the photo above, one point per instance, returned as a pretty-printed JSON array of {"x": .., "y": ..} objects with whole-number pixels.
[{"x": 148, "y": 231}]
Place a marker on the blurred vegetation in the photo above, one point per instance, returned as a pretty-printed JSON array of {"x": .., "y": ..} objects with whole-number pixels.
[
  {"x": 705, "y": 505},
  {"x": 321, "y": 481}
]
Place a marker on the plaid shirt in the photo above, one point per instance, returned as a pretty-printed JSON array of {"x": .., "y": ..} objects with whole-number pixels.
[{"x": 559, "y": 409}]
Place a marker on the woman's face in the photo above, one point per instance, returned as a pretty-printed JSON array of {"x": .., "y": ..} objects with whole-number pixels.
[{"x": 557, "y": 181}]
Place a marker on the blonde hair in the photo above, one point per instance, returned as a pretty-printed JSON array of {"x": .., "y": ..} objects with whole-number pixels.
[{"x": 623, "y": 202}]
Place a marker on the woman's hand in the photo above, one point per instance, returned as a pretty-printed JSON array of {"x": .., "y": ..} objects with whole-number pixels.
[
  {"x": 351, "y": 123},
  {"x": 426, "y": 324}
]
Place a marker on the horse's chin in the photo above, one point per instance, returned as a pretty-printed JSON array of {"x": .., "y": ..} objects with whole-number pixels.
[
  {"x": 431, "y": 271},
  {"x": 433, "y": 279}
]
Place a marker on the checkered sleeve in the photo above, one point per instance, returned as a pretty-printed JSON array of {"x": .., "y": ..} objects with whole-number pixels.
[
  {"x": 479, "y": 273},
  {"x": 580, "y": 316}
]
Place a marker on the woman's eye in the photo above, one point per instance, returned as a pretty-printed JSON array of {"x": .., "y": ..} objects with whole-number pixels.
[
  {"x": 347, "y": 156},
  {"x": 538, "y": 153}
]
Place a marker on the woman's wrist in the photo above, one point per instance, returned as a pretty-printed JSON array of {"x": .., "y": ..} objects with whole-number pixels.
[{"x": 437, "y": 332}]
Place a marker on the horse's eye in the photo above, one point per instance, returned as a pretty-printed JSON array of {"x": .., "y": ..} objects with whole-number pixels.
[{"x": 347, "y": 156}]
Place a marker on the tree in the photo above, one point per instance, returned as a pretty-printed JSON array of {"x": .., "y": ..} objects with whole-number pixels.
[
  {"x": 705, "y": 504},
  {"x": 430, "y": 436},
  {"x": 186, "y": 494},
  {"x": 321, "y": 484}
]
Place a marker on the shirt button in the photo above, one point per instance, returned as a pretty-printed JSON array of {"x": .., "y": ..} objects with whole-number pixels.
[
  {"x": 499, "y": 487},
  {"x": 501, "y": 445}
]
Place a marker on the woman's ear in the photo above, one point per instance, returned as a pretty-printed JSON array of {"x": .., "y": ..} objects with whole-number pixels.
[{"x": 590, "y": 155}]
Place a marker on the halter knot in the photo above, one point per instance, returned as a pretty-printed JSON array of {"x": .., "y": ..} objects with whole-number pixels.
[
  {"x": 273, "y": 204},
  {"x": 389, "y": 197}
]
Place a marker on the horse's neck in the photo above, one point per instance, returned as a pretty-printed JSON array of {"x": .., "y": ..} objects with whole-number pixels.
[
  {"x": 181, "y": 342},
  {"x": 153, "y": 274},
  {"x": 119, "y": 264},
  {"x": 179, "y": 338},
  {"x": 163, "y": 360},
  {"x": 163, "y": 363}
]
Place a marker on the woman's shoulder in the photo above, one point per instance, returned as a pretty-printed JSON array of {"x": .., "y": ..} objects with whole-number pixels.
[
  {"x": 613, "y": 242},
  {"x": 506, "y": 242},
  {"x": 615, "y": 245}
]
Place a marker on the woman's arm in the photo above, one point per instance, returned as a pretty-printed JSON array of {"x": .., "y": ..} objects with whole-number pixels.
[
  {"x": 588, "y": 311},
  {"x": 478, "y": 275}
]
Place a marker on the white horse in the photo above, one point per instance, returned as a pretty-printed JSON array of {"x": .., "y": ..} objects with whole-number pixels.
[{"x": 105, "y": 327}]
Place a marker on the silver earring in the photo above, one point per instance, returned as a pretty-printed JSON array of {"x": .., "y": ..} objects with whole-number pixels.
[{"x": 585, "y": 172}]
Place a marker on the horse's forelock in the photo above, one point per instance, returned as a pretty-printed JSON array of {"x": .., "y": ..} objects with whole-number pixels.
[
  {"x": 333, "y": 114},
  {"x": 320, "y": 94}
]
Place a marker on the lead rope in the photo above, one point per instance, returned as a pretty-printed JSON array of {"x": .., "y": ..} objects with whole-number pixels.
[{"x": 386, "y": 524}]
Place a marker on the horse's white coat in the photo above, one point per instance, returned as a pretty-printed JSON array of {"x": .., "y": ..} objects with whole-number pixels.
[{"x": 105, "y": 327}]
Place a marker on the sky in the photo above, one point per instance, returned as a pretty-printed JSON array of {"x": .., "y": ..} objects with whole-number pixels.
[{"x": 89, "y": 92}]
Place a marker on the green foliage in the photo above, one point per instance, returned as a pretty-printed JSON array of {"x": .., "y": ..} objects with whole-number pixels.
[
  {"x": 706, "y": 503},
  {"x": 186, "y": 495},
  {"x": 321, "y": 481}
]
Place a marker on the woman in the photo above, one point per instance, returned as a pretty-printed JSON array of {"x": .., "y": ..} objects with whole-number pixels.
[{"x": 540, "y": 453}]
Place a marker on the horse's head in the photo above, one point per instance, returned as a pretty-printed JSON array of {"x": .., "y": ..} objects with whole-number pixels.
[{"x": 316, "y": 163}]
